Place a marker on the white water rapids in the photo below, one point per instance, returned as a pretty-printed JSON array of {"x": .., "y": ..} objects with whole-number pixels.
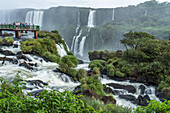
[{"x": 44, "y": 71}]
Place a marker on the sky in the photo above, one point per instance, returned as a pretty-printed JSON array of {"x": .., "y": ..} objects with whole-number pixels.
[{"x": 44, "y": 4}]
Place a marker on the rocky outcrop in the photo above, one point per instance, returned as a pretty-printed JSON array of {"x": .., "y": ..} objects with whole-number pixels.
[
  {"x": 129, "y": 88},
  {"x": 26, "y": 65},
  {"x": 142, "y": 89},
  {"x": 108, "y": 99},
  {"x": 7, "y": 52},
  {"x": 166, "y": 93},
  {"x": 13, "y": 60},
  {"x": 128, "y": 97},
  {"x": 142, "y": 100},
  {"x": 92, "y": 94}
]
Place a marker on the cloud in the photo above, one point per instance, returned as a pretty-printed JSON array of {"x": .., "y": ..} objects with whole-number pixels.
[{"x": 13, "y": 4}]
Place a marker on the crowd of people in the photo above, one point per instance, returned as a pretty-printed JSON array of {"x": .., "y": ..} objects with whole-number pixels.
[{"x": 19, "y": 24}]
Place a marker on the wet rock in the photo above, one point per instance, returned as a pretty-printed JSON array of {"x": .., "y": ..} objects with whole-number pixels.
[
  {"x": 142, "y": 89},
  {"x": 13, "y": 60},
  {"x": 90, "y": 93},
  {"x": 128, "y": 97},
  {"x": 129, "y": 88},
  {"x": 77, "y": 90},
  {"x": 36, "y": 93},
  {"x": 108, "y": 99},
  {"x": 166, "y": 93},
  {"x": 148, "y": 91},
  {"x": 20, "y": 55},
  {"x": 6, "y": 52},
  {"x": 114, "y": 92},
  {"x": 108, "y": 90},
  {"x": 142, "y": 100},
  {"x": 26, "y": 65},
  {"x": 33, "y": 64},
  {"x": 15, "y": 46},
  {"x": 80, "y": 61},
  {"x": 36, "y": 82}
]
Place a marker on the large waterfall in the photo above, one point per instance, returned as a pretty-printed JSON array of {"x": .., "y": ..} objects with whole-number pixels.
[
  {"x": 75, "y": 36},
  {"x": 78, "y": 48},
  {"x": 91, "y": 18},
  {"x": 113, "y": 14},
  {"x": 34, "y": 17}
]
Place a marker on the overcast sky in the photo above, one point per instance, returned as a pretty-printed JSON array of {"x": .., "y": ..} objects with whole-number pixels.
[{"x": 44, "y": 4}]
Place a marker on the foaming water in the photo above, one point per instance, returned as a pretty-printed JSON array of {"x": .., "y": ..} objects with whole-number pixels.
[
  {"x": 44, "y": 71},
  {"x": 127, "y": 103}
]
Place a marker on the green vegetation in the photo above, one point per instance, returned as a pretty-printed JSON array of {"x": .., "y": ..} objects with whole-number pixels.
[
  {"x": 7, "y": 41},
  {"x": 104, "y": 108},
  {"x": 97, "y": 63},
  {"x": 12, "y": 99},
  {"x": 67, "y": 65},
  {"x": 93, "y": 83},
  {"x": 45, "y": 47},
  {"x": 144, "y": 56},
  {"x": 155, "y": 107}
]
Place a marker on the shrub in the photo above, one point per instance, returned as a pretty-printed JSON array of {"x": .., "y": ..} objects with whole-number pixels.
[
  {"x": 104, "y": 108},
  {"x": 44, "y": 47},
  {"x": 81, "y": 74},
  {"x": 97, "y": 63},
  {"x": 47, "y": 101},
  {"x": 9, "y": 40},
  {"x": 120, "y": 74},
  {"x": 110, "y": 70},
  {"x": 70, "y": 60},
  {"x": 95, "y": 84},
  {"x": 155, "y": 107}
]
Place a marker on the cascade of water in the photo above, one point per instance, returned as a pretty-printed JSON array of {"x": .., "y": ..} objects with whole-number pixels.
[
  {"x": 43, "y": 71},
  {"x": 146, "y": 12},
  {"x": 82, "y": 45},
  {"x": 61, "y": 50},
  {"x": 76, "y": 42},
  {"x": 34, "y": 17},
  {"x": 29, "y": 17},
  {"x": 91, "y": 18},
  {"x": 74, "y": 37},
  {"x": 113, "y": 14},
  {"x": 91, "y": 23}
]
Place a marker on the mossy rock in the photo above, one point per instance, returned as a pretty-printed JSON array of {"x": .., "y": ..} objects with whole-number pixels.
[
  {"x": 70, "y": 60},
  {"x": 81, "y": 74},
  {"x": 7, "y": 41},
  {"x": 120, "y": 74},
  {"x": 97, "y": 63},
  {"x": 45, "y": 47},
  {"x": 110, "y": 70}
]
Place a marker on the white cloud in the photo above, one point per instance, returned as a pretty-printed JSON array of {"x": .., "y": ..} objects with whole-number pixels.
[{"x": 13, "y": 4}]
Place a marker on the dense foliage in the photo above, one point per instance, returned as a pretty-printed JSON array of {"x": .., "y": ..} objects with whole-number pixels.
[
  {"x": 12, "y": 99},
  {"x": 144, "y": 56},
  {"x": 45, "y": 47},
  {"x": 155, "y": 107},
  {"x": 7, "y": 41}
]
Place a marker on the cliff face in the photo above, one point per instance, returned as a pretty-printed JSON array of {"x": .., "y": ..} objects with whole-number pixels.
[{"x": 110, "y": 24}]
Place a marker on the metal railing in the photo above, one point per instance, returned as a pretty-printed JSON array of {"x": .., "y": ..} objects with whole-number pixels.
[{"x": 33, "y": 27}]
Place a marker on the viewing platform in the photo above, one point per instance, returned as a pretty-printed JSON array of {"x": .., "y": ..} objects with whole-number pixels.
[{"x": 19, "y": 29}]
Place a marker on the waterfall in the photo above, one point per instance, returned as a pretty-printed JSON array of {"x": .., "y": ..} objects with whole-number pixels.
[
  {"x": 34, "y": 17},
  {"x": 82, "y": 45},
  {"x": 78, "y": 26},
  {"x": 61, "y": 50},
  {"x": 76, "y": 42},
  {"x": 146, "y": 12},
  {"x": 91, "y": 18},
  {"x": 76, "y": 47},
  {"x": 113, "y": 14},
  {"x": 91, "y": 23}
]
